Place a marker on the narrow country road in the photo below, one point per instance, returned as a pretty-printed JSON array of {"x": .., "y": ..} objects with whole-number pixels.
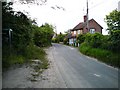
[
  {"x": 68, "y": 69},
  {"x": 80, "y": 71}
]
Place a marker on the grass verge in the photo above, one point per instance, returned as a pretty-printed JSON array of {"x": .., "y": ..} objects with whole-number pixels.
[
  {"x": 102, "y": 55},
  {"x": 30, "y": 53}
]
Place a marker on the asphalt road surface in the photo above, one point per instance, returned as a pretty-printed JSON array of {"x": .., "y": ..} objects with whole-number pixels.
[
  {"x": 68, "y": 69},
  {"x": 79, "y": 71}
]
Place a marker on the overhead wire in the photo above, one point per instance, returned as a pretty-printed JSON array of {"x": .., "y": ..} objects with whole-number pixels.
[{"x": 97, "y": 5}]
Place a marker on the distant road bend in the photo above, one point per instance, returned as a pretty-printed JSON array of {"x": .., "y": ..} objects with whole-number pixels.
[{"x": 80, "y": 71}]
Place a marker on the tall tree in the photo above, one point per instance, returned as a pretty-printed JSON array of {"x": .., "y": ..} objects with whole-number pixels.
[
  {"x": 43, "y": 35},
  {"x": 113, "y": 20},
  {"x": 20, "y": 24}
]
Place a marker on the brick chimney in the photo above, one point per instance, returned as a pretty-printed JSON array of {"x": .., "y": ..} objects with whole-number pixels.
[{"x": 85, "y": 18}]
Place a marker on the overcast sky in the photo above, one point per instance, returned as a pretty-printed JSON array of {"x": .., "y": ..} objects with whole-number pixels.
[{"x": 71, "y": 12}]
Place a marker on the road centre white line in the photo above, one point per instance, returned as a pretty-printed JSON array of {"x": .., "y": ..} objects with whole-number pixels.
[{"x": 97, "y": 75}]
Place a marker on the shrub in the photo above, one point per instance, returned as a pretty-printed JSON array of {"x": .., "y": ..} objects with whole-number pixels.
[
  {"x": 9, "y": 60},
  {"x": 94, "y": 40},
  {"x": 84, "y": 48},
  {"x": 55, "y": 40},
  {"x": 80, "y": 38},
  {"x": 101, "y": 54},
  {"x": 31, "y": 52},
  {"x": 65, "y": 41},
  {"x": 115, "y": 41},
  {"x": 25, "y": 32},
  {"x": 34, "y": 52},
  {"x": 43, "y": 35},
  {"x": 105, "y": 42}
]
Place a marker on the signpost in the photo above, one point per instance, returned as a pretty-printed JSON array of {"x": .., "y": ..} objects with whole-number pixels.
[{"x": 7, "y": 33}]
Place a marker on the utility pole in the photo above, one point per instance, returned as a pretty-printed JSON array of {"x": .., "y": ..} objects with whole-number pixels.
[
  {"x": 119, "y": 6},
  {"x": 55, "y": 30},
  {"x": 87, "y": 17}
]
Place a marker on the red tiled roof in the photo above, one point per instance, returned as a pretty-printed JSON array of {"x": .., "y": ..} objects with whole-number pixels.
[{"x": 81, "y": 25}]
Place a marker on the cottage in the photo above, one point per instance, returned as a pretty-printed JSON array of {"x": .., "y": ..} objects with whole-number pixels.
[{"x": 81, "y": 28}]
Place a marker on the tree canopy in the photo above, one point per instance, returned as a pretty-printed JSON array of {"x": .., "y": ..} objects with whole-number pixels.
[
  {"x": 113, "y": 20},
  {"x": 22, "y": 44},
  {"x": 25, "y": 31}
]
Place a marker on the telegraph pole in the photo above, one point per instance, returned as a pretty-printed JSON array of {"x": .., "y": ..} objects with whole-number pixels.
[{"x": 87, "y": 17}]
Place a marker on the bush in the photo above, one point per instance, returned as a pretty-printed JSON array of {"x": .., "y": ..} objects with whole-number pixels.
[
  {"x": 115, "y": 41},
  {"x": 34, "y": 52},
  {"x": 80, "y": 38},
  {"x": 31, "y": 52},
  {"x": 43, "y": 35},
  {"x": 24, "y": 35},
  {"x": 84, "y": 48},
  {"x": 101, "y": 54},
  {"x": 55, "y": 40},
  {"x": 105, "y": 42},
  {"x": 65, "y": 41},
  {"x": 12, "y": 59},
  {"x": 94, "y": 40}
]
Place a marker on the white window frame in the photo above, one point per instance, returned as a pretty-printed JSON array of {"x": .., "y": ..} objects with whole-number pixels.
[
  {"x": 74, "y": 32},
  {"x": 78, "y": 31},
  {"x": 92, "y": 30},
  {"x": 81, "y": 31}
]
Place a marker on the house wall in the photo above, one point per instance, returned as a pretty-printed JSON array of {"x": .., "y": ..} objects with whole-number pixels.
[
  {"x": 93, "y": 24},
  {"x": 77, "y": 32},
  {"x": 72, "y": 41},
  {"x": 72, "y": 32}
]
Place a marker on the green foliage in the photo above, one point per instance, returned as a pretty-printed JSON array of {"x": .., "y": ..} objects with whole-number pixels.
[
  {"x": 59, "y": 38},
  {"x": 94, "y": 40},
  {"x": 111, "y": 42},
  {"x": 105, "y": 42},
  {"x": 105, "y": 48},
  {"x": 115, "y": 40},
  {"x": 25, "y": 36},
  {"x": 113, "y": 20},
  {"x": 108, "y": 42},
  {"x": 80, "y": 38},
  {"x": 55, "y": 40},
  {"x": 43, "y": 35},
  {"x": 9, "y": 60},
  {"x": 101, "y": 54},
  {"x": 31, "y": 52},
  {"x": 21, "y": 26},
  {"x": 65, "y": 41},
  {"x": 34, "y": 52}
]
